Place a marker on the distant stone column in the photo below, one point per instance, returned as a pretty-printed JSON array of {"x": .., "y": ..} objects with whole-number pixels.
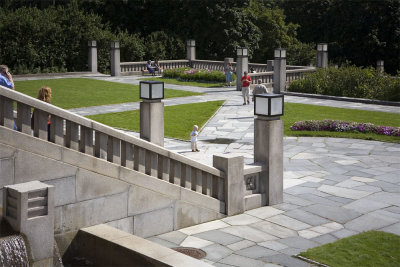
[
  {"x": 115, "y": 59},
  {"x": 322, "y": 55},
  {"x": 270, "y": 65},
  {"x": 234, "y": 188},
  {"x": 380, "y": 65},
  {"x": 242, "y": 65},
  {"x": 268, "y": 149},
  {"x": 279, "y": 71},
  {"x": 29, "y": 209},
  {"x": 191, "y": 50},
  {"x": 92, "y": 60}
]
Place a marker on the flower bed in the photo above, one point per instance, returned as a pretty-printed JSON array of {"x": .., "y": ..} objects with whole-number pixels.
[
  {"x": 189, "y": 74},
  {"x": 343, "y": 126}
]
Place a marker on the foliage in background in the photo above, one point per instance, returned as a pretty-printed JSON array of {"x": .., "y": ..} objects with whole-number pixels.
[
  {"x": 189, "y": 74},
  {"x": 350, "y": 81},
  {"x": 344, "y": 126}
]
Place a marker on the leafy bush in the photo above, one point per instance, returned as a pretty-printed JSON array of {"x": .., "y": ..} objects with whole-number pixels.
[
  {"x": 350, "y": 81},
  {"x": 188, "y": 74},
  {"x": 343, "y": 126}
]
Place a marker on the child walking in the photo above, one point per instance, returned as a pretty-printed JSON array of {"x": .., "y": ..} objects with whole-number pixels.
[{"x": 193, "y": 138}]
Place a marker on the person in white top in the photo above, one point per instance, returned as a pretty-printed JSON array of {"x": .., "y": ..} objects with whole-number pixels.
[{"x": 193, "y": 138}]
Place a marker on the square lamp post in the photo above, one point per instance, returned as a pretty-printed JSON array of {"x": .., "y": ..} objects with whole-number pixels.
[
  {"x": 191, "y": 43},
  {"x": 322, "y": 47},
  {"x": 115, "y": 45},
  {"x": 279, "y": 70},
  {"x": 152, "y": 111},
  {"x": 280, "y": 53},
  {"x": 151, "y": 90},
  {"x": 92, "y": 43},
  {"x": 242, "y": 51},
  {"x": 269, "y": 105},
  {"x": 268, "y": 145}
]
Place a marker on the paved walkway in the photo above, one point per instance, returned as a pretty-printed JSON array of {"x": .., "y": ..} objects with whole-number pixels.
[{"x": 333, "y": 188}]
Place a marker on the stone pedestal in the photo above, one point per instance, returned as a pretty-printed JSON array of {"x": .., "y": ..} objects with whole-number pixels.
[
  {"x": 152, "y": 121},
  {"x": 191, "y": 50},
  {"x": 268, "y": 149},
  {"x": 115, "y": 59},
  {"x": 279, "y": 75},
  {"x": 92, "y": 60},
  {"x": 29, "y": 209},
  {"x": 234, "y": 187},
  {"x": 242, "y": 65}
]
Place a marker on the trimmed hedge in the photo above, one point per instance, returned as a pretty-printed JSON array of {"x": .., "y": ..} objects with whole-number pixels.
[
  {"x": 189, "y": 74},
  {"x": 350, "y": 81}
]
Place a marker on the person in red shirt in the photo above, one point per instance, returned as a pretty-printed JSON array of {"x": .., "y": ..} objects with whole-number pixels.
[{"x": 246, "y": 81}]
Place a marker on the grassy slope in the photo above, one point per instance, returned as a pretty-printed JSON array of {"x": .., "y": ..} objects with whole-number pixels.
[
  {"x": 80, "y": 92},
  {"x": 179, "y": 119},
  {"x": 370, "y": 248}
]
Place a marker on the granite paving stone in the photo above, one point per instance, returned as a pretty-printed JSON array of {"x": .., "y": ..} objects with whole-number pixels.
[
  {"x": 195, "y": 242},
  {"x": 343, "y": 192},
  {"x": 343, "y": 233},
  {"x": 306, "y": 217},
  {"x": 285, "y": 260},
  {"x": 394, "y": 229},
  {"x": 256, "y": 252},
  {"x": 241, "y": 245},
  {"x": 370, "y": 221},
  {"x": 324, "y": 239},
  {"x": 241, "y": 219},
  {"x": 204, "y": 227},
  {"x": 298, "y": 242},
  {"x": 174, "y": 237},
  {"x": 250, "y": 233},
  {"x": 216, "y": 252},
  {"x": 241, "y": 261},
  {"x": 274, "y": 245},
  {"x": 288, "y": 222},
  {"x": 365, "y": 205},
  {"x": 264, "y": 212},
  {"x": 274, "y": 229},
  {"x": 337, "y": 214},
  {"x": 218, "y": 236}
]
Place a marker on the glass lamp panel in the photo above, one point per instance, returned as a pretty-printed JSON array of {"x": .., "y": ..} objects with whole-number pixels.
[
  {"x": 277, "y": 53},
  {"x": 325, "y": 47},
  {"x": 240, "y": 52},
  {"x": 245, "y": 51},
  {"x": 283, "y": 53},
  {"x": 144, "y": 90},
  {"x": 261, "y": 106},
  {"x": 188, "y": 42},
  {"x": 193, "y": 42},
  {"x": 319, "y": 47},
  {"x": 157, "y": 91},
  {"x": 276, "y": 106}
]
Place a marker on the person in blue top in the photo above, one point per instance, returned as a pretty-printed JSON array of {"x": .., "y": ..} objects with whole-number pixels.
[
  {"x": 6, "y": 79},
  {"x": 150, "y": 68}
]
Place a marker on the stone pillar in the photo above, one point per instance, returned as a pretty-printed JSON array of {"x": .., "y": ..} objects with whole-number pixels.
[
  {"x": 191, "y": 50},
  {"x": 279, "y": 71},
  {"x": 152, "y": 121},
  {"x": 242, "y": 65},
  {"x": 322, "y": 55},
  {"x": 115, "y": 59},
  {"x": 29, "y": 209},
  {"x": 270, "y": 65},
  {"x": 268, "y": 149},
  {"x": 92, "y": 60},
  {"x": 380, "y": 65},
  {"x": 234, "y": 187}
]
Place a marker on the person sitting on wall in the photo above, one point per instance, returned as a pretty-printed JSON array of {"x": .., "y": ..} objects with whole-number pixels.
[
  {"x": 150, "y": 68},
  {"x": 259, "y": 89},
  {"x": 6, "y": 79},
  {"x": 157, "y": 66},
  {"x": 44, "y": 95}
]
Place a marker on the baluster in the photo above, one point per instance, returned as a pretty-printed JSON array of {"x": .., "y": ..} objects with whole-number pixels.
[
  {"x": 221, "y": 194},
  {"x": 72, "y": 135},
  {"x": 151, "y": 163},
  {"x": 40, "y": 124},
  {"x": 126, "y": 154},
  {"x": 214, "y": 190},
  {"x": 140, "y": 158},
  {"x": 6, "y": 112},
  {"x": 171, "y": 176},
  {"x": 24, "y": 118},
  {"x": 101, "y": 140},
  {"x": 177, "y": 172},
  {"x": 165, "y": 168},
  {"x": 57, "y": 131},
  {"x": 114, "y": 150},
  {"x": 189, "y": 177},
  {"x": 86, "y": 140}
]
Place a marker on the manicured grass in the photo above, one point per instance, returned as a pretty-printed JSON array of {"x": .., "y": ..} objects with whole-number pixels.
[
  {"x": 175, "y": 81},
  {"x": 178, "y": 120},
  {"x": 298, "y": 112},
  {"x": 371, "y": 248},
  {"x": 80, "y": 92}
]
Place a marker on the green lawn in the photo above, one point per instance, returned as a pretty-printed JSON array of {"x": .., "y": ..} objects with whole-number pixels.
[
  {"x": 178, "y": 120},
  {"x": 298, "y": 112},
  {"x": 370, "y": 248},
  {"x": 198, "y": 84},
  {"x": 80, "y": 92}
]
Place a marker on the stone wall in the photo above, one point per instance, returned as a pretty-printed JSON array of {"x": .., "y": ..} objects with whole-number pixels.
[{"x": 90, "y": 191}]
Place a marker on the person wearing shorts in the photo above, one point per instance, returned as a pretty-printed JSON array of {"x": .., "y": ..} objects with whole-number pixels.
[{"x": 246, "y": 81}]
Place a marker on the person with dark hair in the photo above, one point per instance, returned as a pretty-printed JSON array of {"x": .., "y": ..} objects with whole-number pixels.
[
  {"x": 6, "y": 79},
  {"x": 150, "y": 68}
]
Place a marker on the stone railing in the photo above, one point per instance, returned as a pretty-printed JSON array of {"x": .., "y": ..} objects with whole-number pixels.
[
  {"x": 129, "y": 68},
  {"x": 258, "y": 67},
  {"x": 208, "y": 64},
  {"x": 266, "y": 77},
  {"x": 98, "y": 140},
  {"x": 297, "y": 74}
]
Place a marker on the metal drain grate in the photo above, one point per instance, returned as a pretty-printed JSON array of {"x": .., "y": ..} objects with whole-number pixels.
[{"x": 192, "y": 252}]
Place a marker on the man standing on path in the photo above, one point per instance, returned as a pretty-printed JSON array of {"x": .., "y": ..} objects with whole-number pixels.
[
  {"x": 6, "y": 79},
  {"x": 246, "y": 81},
  {"x": 259, "y": 89}
]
